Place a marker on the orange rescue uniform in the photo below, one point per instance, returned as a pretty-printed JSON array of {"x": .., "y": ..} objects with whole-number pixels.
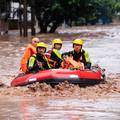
[{"x": 30, "y": 50}]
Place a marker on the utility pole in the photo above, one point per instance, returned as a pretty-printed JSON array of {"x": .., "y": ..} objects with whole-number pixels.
[{"x": 25, "y": 18}]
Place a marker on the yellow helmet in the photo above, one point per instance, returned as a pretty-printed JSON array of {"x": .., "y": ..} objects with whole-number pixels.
[
  {"x": 57, "y": 40},
  {"x": 78, "y": 41},
  {"x": 42, "y": 44}
]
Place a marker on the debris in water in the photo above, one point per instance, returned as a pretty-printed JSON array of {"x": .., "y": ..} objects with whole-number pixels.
[{"x": 65, "y": 89}]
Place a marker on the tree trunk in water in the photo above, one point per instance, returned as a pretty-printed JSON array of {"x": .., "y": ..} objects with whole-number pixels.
[
  {"x": 33, "y": 18},
  {"x": 54, "y": 27},
  {"x": 43, "y": 28},
  {"x": 3, "y": 27}
]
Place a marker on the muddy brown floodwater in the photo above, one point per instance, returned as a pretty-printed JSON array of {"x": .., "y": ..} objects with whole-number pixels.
[{"x": 65, "y": 101}]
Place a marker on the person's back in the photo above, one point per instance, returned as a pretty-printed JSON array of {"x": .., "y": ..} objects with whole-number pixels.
[
  {"x": 30, "y": 50},
  {"x": 53, "y": 55}
]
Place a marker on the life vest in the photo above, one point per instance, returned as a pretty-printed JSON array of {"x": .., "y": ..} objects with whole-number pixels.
[
  {"x": 34, "y": 63},
  {"x": 50, "y": 60},
  {"x": 30, "y": 50},
  {"x": 70, "y": 63}
]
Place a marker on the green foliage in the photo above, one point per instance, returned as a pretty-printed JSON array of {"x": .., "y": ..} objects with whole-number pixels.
[
  {"x": 51, "y": 13},
  {"x": 4, "y": 5},
  {"x": 117, "y": 6}
]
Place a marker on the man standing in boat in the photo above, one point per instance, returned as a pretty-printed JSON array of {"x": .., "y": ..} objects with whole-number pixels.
[
  {"x": 79, "y": 54},
  {"x": 53, "y": 55},
  {"x": 38, "y": 61}
]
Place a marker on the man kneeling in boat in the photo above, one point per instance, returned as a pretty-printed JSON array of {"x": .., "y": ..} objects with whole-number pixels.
[
  {"x": 78, "y": 54},
  {"x": 38, "y": 61}
]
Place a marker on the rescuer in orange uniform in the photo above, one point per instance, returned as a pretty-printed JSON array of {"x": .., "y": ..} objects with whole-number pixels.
[{"x": 30, "y": 50}]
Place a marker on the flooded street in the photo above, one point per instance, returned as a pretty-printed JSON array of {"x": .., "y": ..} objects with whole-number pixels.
[
  {"x": 59, "y": 109},
  {"x": 64, "y": 102}
]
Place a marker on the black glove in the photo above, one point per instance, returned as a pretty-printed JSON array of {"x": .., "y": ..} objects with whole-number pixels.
[{"x": 88, "y": 65}]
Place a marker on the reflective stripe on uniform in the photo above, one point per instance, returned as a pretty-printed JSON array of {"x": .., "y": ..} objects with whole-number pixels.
[
  {"x": 31, "y": 61},
  {"x": 47, "y": 62},
  {"x": 57, "y": 53},
  {"x": 87, "y": 58}
]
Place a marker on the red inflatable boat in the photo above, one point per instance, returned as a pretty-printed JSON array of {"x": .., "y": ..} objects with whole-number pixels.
[{"x": 55, "y": 76}]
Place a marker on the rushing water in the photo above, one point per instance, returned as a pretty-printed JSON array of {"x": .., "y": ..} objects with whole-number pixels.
[
  {"x": 103, "y": 51},
  {"x": 59, "y": 109}
]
